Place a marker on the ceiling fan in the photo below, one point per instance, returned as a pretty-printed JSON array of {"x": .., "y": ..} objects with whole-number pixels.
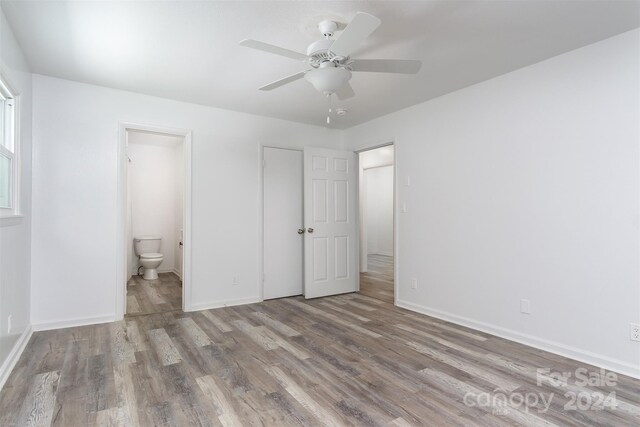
[{"x": 330, "y": 61}]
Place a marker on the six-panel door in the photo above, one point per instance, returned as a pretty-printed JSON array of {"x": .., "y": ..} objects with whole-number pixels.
[{"x": 330, "y": 218}]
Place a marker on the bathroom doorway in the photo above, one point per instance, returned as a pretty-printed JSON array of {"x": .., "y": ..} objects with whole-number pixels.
[
  {"x": 377, "y": 233},
  {"x": 155, "y": 222}
]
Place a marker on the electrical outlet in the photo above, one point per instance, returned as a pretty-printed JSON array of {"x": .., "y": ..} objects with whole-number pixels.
[
  {"x": 9, "y": 318},
  {"x": 407, "y": 183},
  {"x": 403, "y": 209},
  {"x": 525, "y": 306},
  {"x": 235, "y": 280},
  {"x": 414, "y": 283},
  {"x": 634, "y": 331}
]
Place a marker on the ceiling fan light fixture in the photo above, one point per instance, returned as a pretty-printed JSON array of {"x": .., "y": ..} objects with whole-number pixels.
[{"x": 328, "y": 80}]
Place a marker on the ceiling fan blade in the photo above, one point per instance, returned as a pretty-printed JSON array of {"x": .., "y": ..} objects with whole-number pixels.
[
  {"x": 401, "y": 66},
  {"x": 266, "y": 47},
  {"x": 356, "y": 32},
  {"x": 345, "y": 92},
  {"x": 284, "y": 81}
]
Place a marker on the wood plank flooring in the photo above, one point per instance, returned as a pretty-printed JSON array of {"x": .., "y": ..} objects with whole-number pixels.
[
  {"x": 348, "y": 360},
  {"x": 154, "y": 296},
  {"x": 377, "y": 282}
]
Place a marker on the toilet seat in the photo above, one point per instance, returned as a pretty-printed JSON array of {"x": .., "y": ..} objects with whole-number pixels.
[{"x": 151, "y": 255}]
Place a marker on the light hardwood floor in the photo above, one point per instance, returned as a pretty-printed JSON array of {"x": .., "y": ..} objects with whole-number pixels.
[
  {"x": 154, "y": 296},
  {"x": 377, "y": 282},
  {"x": 342, "y": 360}
]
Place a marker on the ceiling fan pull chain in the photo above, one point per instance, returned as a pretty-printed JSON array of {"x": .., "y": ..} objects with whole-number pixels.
[{"x": 330, "y": 108}]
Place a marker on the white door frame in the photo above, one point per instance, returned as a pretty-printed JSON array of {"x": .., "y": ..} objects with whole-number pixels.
[
  {"x": 396, "y": 210},
  {"x": 121, "y": 205}
]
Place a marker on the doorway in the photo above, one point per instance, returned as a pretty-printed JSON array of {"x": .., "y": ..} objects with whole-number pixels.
[
  {"x": 154, "y": 226},
  {"x": 376, "y": 203}
]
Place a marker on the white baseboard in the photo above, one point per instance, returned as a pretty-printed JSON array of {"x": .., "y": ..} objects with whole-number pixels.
[
  {"x": 224, "y": 303},
  {"x": 69, "y": 323},
  {"x": 14, "y": 355},
  {"x": 580, "y": 355}
]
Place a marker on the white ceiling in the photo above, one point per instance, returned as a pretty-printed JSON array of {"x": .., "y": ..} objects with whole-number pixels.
[{"x": 188, "y": 50}]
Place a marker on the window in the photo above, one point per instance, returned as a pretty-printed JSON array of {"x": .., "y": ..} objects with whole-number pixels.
[{"x": 8, "y": 152}]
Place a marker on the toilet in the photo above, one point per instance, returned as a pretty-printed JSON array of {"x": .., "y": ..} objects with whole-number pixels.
[{"x": 147, "y": 249}]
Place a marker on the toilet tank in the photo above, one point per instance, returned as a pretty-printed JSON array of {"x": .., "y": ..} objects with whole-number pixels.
[{"x": 147, "y": 244}]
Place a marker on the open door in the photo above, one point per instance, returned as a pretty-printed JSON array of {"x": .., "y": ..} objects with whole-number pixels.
[{"x": 331, "y": 256}]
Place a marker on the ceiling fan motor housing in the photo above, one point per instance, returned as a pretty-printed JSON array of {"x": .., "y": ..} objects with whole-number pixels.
[{"x": 318, "y": 52}]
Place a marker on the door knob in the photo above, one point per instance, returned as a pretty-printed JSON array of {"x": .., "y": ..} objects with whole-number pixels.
[
  {"x": 310, "y": 230},
  {"x": 300, "y": 230}
]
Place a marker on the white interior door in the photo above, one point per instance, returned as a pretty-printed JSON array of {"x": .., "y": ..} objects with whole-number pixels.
[
  {"x": 283, "y": 204},
  {"x": 331, "y": 258}
]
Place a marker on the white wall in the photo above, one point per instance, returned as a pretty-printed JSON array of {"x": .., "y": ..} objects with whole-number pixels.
[
  {"x": 75, "y": 193},
  {"x": 155, "y": 192},
  {"x": 526, "y": 186},
  {"x": 378, "y": 209},
  {"x": 15, "y": 234}
]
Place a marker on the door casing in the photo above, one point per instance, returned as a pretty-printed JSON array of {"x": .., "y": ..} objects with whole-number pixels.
[{"x": 121, "y": 240}]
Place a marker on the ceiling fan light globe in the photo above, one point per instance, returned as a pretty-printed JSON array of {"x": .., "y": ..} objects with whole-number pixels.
[{"x": 328, "y": 80}]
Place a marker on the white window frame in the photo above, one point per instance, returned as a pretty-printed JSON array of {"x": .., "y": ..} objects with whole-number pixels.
[{"x": 13, "y": 211}]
